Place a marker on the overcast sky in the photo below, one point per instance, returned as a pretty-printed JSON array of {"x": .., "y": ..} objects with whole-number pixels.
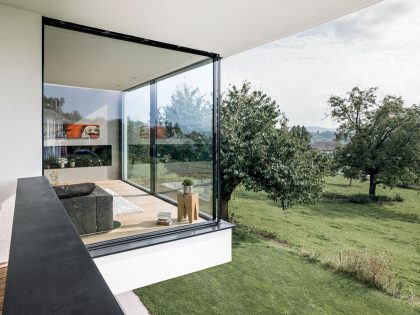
[{"x": 376, "y": 46}]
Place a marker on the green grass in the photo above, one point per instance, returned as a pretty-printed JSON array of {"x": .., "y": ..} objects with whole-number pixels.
[
  {"x": 267, "y": 277},
  {"x": 328, "y": 227},
  {"x": 264, "y": 278}
]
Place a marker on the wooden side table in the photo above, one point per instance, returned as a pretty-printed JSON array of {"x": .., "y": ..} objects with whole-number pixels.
[{"x": 188, "y": 205}]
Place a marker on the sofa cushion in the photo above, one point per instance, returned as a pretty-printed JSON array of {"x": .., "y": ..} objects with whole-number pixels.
[{"x": 75, "y": 190}]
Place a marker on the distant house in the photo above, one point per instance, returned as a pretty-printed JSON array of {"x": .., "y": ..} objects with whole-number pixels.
[{"x": 325, "y": 146}]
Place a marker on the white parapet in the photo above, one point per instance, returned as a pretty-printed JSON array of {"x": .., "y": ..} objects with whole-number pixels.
[{"x": 148, "y": 265}]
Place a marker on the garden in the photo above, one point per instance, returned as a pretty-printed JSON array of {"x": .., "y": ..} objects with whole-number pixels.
[{"x": 335, "y": 256}]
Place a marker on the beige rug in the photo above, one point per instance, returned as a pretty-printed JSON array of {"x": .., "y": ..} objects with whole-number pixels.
[{"x": 121, "y": 205}]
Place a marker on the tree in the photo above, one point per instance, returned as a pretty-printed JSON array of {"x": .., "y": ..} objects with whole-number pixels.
[
  {"x": 350, "y": 172},
  {"x": 380, "y": 139},
  {"x": 259, "y": 152},
  {"x": 189, "y": 111}
]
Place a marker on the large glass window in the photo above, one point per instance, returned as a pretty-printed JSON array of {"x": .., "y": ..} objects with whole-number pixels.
[
  {"x": 134, "y": 120},
  {"x": 184, "y": 134},
  {"x": 137, "y": 136},
  {"x": 169, "y": 136}
]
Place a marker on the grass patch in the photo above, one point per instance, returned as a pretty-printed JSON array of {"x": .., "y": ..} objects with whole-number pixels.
[
  {"x": 266, "y": 279},
  {"x": 283, "y": 260},
  {"x": 332, "y": 226}
]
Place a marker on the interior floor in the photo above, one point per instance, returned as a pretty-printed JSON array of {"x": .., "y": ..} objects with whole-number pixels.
[{"x": 140, "y": 222}]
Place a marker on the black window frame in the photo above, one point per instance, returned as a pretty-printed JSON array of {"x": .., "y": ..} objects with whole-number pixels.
[{"x": 161, "y": 236}]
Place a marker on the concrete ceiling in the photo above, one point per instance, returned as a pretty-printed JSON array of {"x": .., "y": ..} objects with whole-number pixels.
[
  {"x": 84, "y": 60},
  {"x": 226, "y": 27}
]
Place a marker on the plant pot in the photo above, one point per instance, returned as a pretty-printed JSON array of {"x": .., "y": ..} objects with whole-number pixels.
[
  {"x": 62, "y": 165},
  {"x": 72, "y": 164},
  {"x": 188, "y": 190}
]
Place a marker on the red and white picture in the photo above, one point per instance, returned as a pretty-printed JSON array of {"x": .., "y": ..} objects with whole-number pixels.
[{"x": 82, "y": 131}]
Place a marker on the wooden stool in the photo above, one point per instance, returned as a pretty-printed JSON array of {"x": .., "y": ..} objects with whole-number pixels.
[{"x": 188, "y": 205}]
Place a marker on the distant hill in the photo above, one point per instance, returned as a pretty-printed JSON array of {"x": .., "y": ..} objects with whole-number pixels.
[
  {"x": 320, "y": 134},
  {"x": 320, "y": 129}
]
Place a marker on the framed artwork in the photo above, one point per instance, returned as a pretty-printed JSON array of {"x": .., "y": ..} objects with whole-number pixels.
[{"x": 82, "y": 131}]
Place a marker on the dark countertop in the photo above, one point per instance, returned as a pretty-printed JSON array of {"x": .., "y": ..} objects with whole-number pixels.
[{"x": 50, "y": 270}]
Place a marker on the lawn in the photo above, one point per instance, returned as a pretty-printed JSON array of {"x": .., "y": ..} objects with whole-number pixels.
[
  {"x": 326, "y": 228},
  {"x": 267, "y": 277}
]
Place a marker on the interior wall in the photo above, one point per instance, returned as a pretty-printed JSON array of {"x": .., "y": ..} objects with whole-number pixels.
[
  {"x": 101, "y": 107},
  {"x": 20, "y": 108}
]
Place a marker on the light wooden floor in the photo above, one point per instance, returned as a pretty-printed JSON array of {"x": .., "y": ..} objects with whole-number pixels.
[
  {"x": 3, "y": 278},
  {"x": 136, "y": 223}
]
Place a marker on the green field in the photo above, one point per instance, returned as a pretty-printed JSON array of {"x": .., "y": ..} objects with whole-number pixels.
[{"x": 271, "y": 276}]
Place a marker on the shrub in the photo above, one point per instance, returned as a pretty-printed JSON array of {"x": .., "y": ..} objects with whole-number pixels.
[
  {"x": 360, "y": 199},
  {"x": 382, "y": 199},
  {"x": 373, "y": 270},
  {"x": 365, "y": 199},
  {"x": 398, "y": 198},
  {"x": 310, "y": 256},
  {"x": 334, "y": 196}
]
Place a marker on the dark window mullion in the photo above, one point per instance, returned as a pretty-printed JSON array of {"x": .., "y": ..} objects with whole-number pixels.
[{"x": 153, "y": 135}]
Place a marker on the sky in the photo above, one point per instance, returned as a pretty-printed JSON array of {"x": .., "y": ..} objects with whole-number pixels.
[{"x": 376, "y": 46}]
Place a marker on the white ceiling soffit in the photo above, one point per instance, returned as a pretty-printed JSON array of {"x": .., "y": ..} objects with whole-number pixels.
[
  {"x": 84, "y": 60},
  {"x": 226, "y": 27}
]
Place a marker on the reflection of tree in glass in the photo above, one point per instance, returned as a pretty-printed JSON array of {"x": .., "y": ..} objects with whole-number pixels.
[
  {"x": 55, "y": 104},
  {"x": 188, "y": 145},
  {"x": 189, "y": 111}
]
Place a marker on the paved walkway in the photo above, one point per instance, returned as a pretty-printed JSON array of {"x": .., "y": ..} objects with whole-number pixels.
[{"x": 131, "y": 304}]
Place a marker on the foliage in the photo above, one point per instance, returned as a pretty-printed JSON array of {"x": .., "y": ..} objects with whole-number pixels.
[
  {"x": 380, "y": 139},
  {"x": 189, "y": 111},
  {"x": 53, "y": 103},
  {"x": 360, "y": 199},
  {"x": 259, "y": 152},
  {"x": 72, "y": 117},
  {"x": 51, "y": 162},
  {"x": 56, "y": 104},
  {"x": 187, "y": 182}
]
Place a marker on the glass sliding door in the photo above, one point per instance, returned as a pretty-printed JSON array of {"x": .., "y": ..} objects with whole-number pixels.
[
  {"x": 168, "y": 134},
  {"x": 137, "y": 165},
  {"x": 184, "y": 134}
]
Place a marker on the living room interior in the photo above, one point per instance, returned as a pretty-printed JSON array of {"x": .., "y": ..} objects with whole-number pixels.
[{"x": 134, "y": 119}]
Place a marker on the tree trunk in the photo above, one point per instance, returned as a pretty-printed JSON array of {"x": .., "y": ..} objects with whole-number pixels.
[
  {"x": 372, "y": 185},
  {"x": 351, "y": 179},
  {"x": 225, "y": 207}
]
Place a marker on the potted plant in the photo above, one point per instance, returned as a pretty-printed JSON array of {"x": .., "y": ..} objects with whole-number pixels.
[
  {"x": 72, "y": 163},
  {"x": 62, "y": 162},
  {"x": 188, "y": 183}
]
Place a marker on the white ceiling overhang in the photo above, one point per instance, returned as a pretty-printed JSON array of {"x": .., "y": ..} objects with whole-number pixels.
[
  {"x": 226, "y": 27},
  {"x": 85, "y": 60}
]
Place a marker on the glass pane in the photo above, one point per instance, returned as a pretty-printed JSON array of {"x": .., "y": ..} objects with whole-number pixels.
[
  {"x": 184, "y": 135},
  {"x": 81, "y": 134},
  {"x": 137, "y": 124}
]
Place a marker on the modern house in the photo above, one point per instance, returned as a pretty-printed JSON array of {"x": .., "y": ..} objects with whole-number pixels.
[{"x": 124, "y": 95}]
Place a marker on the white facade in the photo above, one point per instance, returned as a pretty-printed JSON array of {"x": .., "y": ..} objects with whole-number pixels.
[
  {"x": 20, "y": 108},
  {"x": 140, "y": 267}
]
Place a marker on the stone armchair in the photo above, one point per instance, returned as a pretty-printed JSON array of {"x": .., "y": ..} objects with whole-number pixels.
[{"x": 89, "y": 207}]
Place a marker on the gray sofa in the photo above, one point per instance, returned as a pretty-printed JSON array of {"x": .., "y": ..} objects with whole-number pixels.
[{"x": 88, "y": 206}]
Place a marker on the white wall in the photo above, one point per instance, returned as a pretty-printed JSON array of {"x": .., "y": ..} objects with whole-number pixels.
[
  {"x": 141, "y": 267},
  {"x": 20, "y": 108}
]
